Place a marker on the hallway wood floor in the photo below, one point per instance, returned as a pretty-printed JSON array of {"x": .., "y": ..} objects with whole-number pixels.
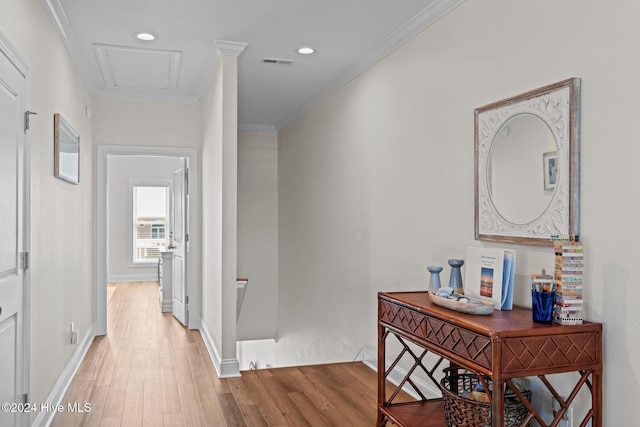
[{"x": 151, "y": 371}]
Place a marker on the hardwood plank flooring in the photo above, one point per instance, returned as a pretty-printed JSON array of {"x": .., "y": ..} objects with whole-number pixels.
[{"x": 151, "y": 371}]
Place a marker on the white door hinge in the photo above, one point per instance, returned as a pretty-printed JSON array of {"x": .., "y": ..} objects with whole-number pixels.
[{"x": 25, "y": 260}]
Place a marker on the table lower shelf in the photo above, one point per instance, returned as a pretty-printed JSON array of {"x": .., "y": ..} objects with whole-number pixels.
[{"x": 426, "y": 414}]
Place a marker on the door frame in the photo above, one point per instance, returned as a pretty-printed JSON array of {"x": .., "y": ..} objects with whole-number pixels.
[
  {"x": 8, "y": 49},
  {"x": 102, "y": 232}
]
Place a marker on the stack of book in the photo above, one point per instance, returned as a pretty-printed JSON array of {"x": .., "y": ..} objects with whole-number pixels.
[{"x": 569, "y": 267}]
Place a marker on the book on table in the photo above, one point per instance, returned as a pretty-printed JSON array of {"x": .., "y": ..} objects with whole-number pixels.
[{"x": 489, "y": 275}]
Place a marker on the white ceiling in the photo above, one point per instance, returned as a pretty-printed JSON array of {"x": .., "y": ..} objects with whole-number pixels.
[{"x": 349, "y": 36}]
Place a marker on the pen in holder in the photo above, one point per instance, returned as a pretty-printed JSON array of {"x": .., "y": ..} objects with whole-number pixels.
[
  {"x": 542, "y": 305},
  {"x": 542, "y": 297}
]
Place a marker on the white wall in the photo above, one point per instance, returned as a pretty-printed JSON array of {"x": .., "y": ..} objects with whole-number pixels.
[
  {"x": 146, "y": 124},
  {"x": 61, "y": 213},
  {"x": 376, "y": 182},
  {"x": 258, "y": 233},
  {"x": 121, "y": 170}
]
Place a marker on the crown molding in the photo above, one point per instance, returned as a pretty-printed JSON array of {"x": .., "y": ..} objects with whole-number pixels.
[
  {"x": 248, "y": 127},
  {"x": 63, "y": 27},
  {"x": 417, "y": 24},
  {"x": 229, "y": 48},
  {"x": 221, "y": 47},
  {"x": 430, "y": 14}
]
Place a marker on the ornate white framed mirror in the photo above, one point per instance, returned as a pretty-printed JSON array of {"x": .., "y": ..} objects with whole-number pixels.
[{"x": 527, "y": 166}]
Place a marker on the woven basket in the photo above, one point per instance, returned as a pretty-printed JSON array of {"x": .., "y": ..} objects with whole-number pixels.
[{"x": 464, "y": 412}]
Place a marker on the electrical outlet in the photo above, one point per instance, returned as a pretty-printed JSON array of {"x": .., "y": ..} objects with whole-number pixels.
[
  {"x": 569, "y": 416},
  {"x": 74, "y": 334}
]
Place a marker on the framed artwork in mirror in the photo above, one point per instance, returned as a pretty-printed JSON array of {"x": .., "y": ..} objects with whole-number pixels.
[
  {"x": 66, "y": 150},
  {"x": 514, "y": 201},
  {"x": 550, "y": 169}
]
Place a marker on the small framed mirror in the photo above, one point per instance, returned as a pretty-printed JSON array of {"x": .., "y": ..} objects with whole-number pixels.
[
  {"x": 66, "y": 150},
  {"x": 527, "y": 166}
]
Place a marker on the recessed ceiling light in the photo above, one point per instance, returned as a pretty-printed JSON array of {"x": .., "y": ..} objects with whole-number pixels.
[
  {"x": 305, "y": 50},
  {"x": 145, "y": 36}
]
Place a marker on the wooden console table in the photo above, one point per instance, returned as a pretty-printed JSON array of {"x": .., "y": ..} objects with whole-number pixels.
[{"x": 501, "y": 346}]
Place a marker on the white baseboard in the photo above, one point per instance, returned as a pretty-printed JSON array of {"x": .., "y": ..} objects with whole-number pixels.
[
  {"x": 45, "y": 418},
  {"x": 369, "y": 357},
  {"x": 132, "y": 278},
  {"x": 226, "y": 368}
]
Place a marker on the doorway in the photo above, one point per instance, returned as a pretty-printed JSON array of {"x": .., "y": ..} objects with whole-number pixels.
[{"x": 107, "y": 154}]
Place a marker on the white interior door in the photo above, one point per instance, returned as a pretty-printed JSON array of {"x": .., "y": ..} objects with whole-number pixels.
[
  {"x": 12, "y": 140},
  {"x": 180, "y": 237}
]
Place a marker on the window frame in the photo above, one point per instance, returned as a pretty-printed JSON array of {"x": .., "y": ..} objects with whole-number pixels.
[{"x": 137, "y": 182}]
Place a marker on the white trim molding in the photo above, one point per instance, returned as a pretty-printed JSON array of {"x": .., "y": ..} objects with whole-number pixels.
[
  {"x": 165, "y": 81},
  {"x": 226, "y": 368},
  {"x": 229, "y": 48},
  {"x": 61, "y": 23},
  {"x": 141, "y": 182},
  {"x": 369, "y": 357},
  {"x": 430, "y": 14},
  {"x": 120, "y": 278},
  {"x": 12, "y": 53},
  {"x": 54, "y": 399},
  {"x": 103, "y": 152}
]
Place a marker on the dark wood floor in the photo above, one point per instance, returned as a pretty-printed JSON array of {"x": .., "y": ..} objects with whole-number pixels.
[{"x": 151, "y": 371}]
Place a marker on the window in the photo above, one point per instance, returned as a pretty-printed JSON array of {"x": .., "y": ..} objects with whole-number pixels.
[
  {"x": 150, "y": 221},
  {"x": 157, "y": 231}
]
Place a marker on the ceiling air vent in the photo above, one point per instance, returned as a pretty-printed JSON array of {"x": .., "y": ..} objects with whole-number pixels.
[{"x": 278, "y": 61}]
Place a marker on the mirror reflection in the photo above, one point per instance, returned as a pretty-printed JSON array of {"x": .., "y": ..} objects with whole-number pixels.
[{"x": 516, "y": 168}]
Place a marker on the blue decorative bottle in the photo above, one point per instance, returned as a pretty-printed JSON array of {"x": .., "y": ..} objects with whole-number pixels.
[
  {"x": 434, "y": 279},
  {"x": 455, "y": 281}
]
